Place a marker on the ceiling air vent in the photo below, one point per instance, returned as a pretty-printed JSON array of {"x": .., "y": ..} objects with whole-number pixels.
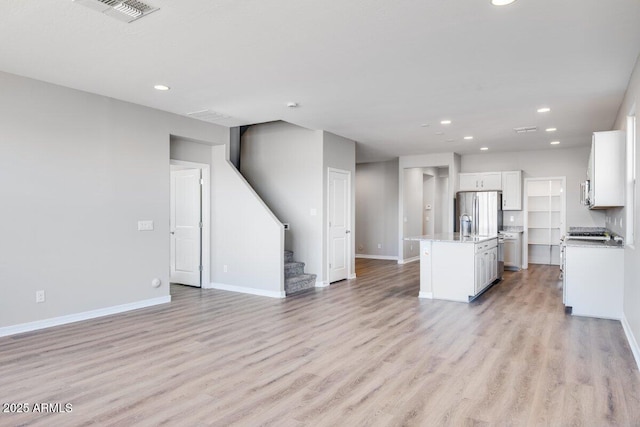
[
  {"x": 526, "y": 129},
  {"x": 208, "y": 116},
  {"x": 127, "y": 11}
]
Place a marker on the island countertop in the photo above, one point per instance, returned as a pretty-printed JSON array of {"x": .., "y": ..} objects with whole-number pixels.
[{"x": 451, "y": 237}]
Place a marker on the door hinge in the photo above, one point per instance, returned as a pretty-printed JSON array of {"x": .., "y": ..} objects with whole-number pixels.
[
  {"x": 200, "y": 225},
  {"x": 200, "y": 268},
  {"x": 201, "y": 181},
  {"x": 329, "y": 265}
]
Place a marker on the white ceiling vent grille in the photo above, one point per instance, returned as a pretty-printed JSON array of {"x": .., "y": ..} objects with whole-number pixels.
[
  {"x": 127, "y": 10},
  {"x": 526, "y": 129},
  {"x": 208, "y": 116}
]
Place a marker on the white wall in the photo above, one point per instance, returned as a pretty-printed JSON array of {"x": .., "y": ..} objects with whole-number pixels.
[
  {"x": 287, "y": 166},
  {"x": 247, "y": 238},
  {"x": 283, "y": 163},
  {"x": 77, "y": 171},
  {"x": 338, "y": 153},
  {"x": 377, "y": 209},
  {"x": 632, "y": 254},
  {"x": 190, "y": 151},
  {"x": 240, "y": 223},
  {"x": 569, "y": 162},
  {"x": 442, "y": 213},
  {"x": 412, "y": 208}
]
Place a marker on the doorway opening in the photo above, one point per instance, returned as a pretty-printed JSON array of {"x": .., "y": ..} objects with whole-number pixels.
[
  {"x": 426, "y": 206},
  {"x": 189, "y": 223}
]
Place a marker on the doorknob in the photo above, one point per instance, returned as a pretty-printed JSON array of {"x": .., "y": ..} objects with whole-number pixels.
[
  {"x": 348, "y": 231},
  {"x": 173, "y": 232}
]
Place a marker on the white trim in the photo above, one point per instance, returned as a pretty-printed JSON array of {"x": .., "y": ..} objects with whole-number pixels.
[
  {"x": 631, "y": 339},
  {"x": 244, "y": 290},
  {"x": 206, "y": 215},
  {"x": 525, "y": 207},
  {"x": 85, "y": 315},
  {"x": 423, "y": 294},
  {"x": 352, "y": 276},
  {"x": 322, "y": 284},
  {"x": 350, "y": 226},
  {"x": 387, "y": 257},
  {"x": 408, "y": 260}
]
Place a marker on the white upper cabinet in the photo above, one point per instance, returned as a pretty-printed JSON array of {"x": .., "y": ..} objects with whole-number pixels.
[
  {"x": 480, "y": 181},
  {"x": 606, "y": 170},
  {"x": 512, "y": 190}
]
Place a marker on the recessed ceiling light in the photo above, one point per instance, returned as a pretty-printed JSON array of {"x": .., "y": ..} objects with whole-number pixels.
[
  {"x": 424, "y": 125},
  {"x": 551, "y": 129},
  {"x": 501, "y": 2},
  {"x": 439, "y": 133},
  {"x": 468, "y": 137},
  {"x": 484, "y": 148},
  {"x": 292, "y": 104},
  {"x": 449, "y": 140},
  {"x": 544, "y": 110},
  {"x": 161, "y": 87},
  {"x": 445, "y": 122},
  {"x": 554, "y": 142}
]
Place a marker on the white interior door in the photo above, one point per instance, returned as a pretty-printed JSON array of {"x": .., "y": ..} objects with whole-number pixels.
[
  {"x": 186, "y": 226},
  {"x": 339, "y": 225}
]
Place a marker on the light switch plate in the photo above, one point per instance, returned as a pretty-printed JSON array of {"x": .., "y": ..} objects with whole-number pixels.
[{"x": 145, "y": 225}]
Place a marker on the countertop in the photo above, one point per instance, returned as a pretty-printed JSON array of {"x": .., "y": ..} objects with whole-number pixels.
[
  {"x": 593, "y": 244},
  {"x": 451, "y": 237},
  {"x": 513, "y": 229}
]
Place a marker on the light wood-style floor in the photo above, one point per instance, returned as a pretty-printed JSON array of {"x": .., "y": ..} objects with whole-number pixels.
[{"x": 361, "y": 352}]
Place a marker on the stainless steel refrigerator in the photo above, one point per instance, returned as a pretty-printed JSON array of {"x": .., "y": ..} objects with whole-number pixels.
[{"x": 478, "y": 213}]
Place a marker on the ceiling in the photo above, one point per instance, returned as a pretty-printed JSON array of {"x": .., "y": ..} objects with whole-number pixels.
[{"x": 375, "y": 71}]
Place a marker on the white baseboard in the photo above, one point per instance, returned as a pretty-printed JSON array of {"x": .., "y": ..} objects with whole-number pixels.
[
  {"x": 244, "y": 290},
  {"x": 388, "y": 257},
  {"x": 321, "y": 284},
  {"x": 423, "y": 294},
  {"x": 408, "y": 260},
  {"x": 85, "y": 315},
  {"x": 632, "y": 340},
  {"x": 352, "y": 276}
]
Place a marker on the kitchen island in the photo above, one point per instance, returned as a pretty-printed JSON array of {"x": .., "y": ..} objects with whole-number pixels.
[{"x": 456, "y": 268}]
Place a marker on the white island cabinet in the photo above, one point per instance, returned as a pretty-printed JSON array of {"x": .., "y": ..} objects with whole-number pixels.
[{"x": 456, "y": 268}]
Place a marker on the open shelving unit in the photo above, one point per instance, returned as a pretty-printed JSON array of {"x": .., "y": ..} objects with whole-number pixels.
[{"x": 545, "y": 216}]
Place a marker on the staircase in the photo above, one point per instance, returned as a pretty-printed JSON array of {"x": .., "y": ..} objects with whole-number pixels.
[{"x": 295, "y": 279}]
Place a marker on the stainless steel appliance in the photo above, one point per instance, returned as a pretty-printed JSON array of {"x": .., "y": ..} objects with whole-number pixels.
[
  {"x": 588, "y": 233},
  {"x": 512, "y": 250},
  {"x": 500, "y": 256},
  {"x": 585, "y": 193},
  {"x": 483, "y": 209}
]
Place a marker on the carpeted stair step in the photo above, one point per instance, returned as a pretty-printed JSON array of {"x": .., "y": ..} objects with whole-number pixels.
[
  {"x": 292, "y": 269},
  {"x": 299, "y": 283},
  {"x": 288, "y": 256}
]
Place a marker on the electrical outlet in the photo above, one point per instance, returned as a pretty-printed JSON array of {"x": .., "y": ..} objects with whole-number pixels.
[
  {"x": 379, "y": 245},
  {"x": 225, "y": 268},
  {"x": 39, "y": 296}
]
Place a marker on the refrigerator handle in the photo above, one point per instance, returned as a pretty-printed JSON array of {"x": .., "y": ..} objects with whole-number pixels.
[{"x": 476, "y": 209}]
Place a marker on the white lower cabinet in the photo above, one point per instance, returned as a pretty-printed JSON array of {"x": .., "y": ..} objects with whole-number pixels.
[
  {"x": 459, "y": 270},
  {"x": 594, "y": 281},
  {"x": 486, "y": 263}
]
